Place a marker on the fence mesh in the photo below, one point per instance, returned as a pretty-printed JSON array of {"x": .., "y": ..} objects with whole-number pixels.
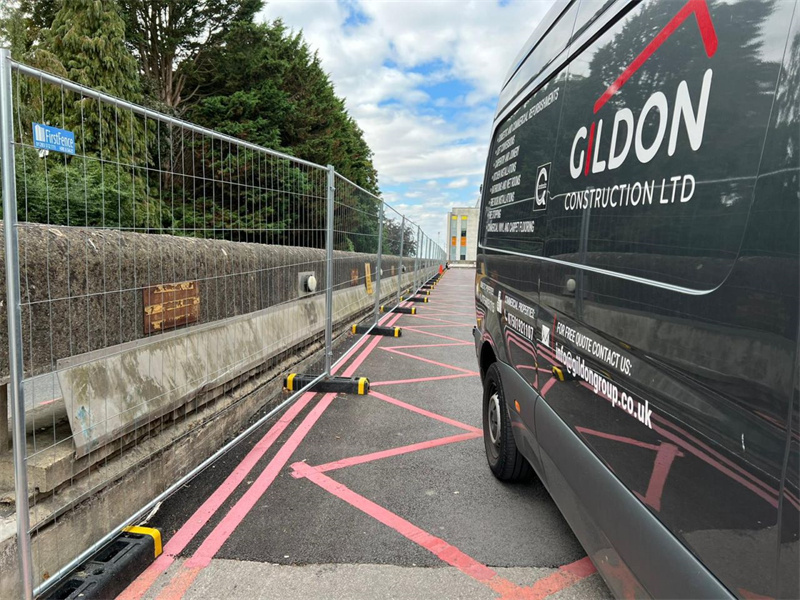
[{"x": 167, "y": 273}]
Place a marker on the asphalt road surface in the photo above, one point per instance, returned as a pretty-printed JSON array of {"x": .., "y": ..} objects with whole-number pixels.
[{"x": 379, "y": 496}]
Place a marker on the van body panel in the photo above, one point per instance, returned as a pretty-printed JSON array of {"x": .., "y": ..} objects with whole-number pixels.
[
  {"x": 640, "y": 230},
  {"x": 634, "y": 552}
]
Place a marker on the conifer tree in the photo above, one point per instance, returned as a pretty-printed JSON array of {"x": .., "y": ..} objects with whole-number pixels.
[
  {"x": 88, "y": 37},
  {"x": 169, "y": 35}
]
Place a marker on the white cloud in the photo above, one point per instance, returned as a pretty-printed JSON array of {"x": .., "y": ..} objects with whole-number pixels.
[
  {"x": 394, "y": 66},
  {"x": 458, "y": 183}
]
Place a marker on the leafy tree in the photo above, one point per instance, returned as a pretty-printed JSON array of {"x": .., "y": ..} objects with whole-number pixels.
[
  {"x": 391, "y": 238},
  {"x": 169, "y": 35},
  {"x": 23, "y": 26},
  {"x": 38, "y": 16}
]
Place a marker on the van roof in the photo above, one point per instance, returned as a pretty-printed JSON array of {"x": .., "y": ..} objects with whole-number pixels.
[
  {"x": 509, "y": 92},
  {"x": 538, "y": 34}
]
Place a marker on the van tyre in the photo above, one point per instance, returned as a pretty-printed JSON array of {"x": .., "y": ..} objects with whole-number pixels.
[{"x": 504, "y": 459}]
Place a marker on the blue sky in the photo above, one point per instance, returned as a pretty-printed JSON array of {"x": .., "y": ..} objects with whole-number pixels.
[{"x": 421, "y": 78}]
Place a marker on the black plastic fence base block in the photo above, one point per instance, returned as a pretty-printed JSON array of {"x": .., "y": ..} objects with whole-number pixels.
[
  {"x": 112, "y": 569},
  {"x": 400, "y": 309},
  {"x": 378, "y": 330},
  {"x": 337, "y": 385},
  {"x": 418, "y": 299}
]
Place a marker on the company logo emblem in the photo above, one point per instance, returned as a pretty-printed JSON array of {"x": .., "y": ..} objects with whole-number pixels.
[
  {"x": 38, "y": 133},
  {"x": 542, "y": 185},
  {"x": 545, "y": 335},
  {"x": 627, "y": 129}
]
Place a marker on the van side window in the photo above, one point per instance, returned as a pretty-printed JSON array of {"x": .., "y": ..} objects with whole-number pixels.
[
  {"x": 588, "y": 13},
  {"x": 546, "y": 51}
]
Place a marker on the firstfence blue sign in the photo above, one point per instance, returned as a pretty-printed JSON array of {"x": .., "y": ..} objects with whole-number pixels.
[{"x": 53, "y": 138}]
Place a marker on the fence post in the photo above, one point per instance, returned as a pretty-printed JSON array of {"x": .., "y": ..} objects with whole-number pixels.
[
  {"x": 378, "y": 267},
  {"x": 329, "y": 271},
  {"x": 416, "y": 257},
  {"x": 14, "y": 325},
  {"x": 427, "y": 252},
  {"x": 402, "y": 264}
]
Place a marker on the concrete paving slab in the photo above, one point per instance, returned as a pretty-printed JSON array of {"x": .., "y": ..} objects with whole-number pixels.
[{"x": 263, "y": 581}]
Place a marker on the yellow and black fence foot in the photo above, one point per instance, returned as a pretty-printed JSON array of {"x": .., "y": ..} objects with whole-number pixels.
[
  {"x": 400, "y": 310},
  {"x": 337, "y": 385},
  {"x": 418, "y": 299},
  {"x": 562, "y": 374},
  {"x": 378, "y": 330},
  {"x": 109, "y": 571}
]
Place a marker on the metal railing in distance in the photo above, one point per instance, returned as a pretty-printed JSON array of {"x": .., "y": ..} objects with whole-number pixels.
[{"x": 159, "y": 274}]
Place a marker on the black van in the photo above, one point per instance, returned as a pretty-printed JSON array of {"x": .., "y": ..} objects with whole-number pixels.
[{"x": 637, "y": 289}]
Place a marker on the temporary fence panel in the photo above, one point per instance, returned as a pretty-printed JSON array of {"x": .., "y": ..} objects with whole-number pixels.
[{"x": 158, "y": 275}]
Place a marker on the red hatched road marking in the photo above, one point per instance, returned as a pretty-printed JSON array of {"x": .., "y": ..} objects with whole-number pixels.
[
  {"x": 442, "y": 345},
  {"x": 372, "y": 384},
  {"x": 422, "y": 411},
  {"x": 201, "y": 516},
  {"x": 183, "y": 580},
  {"x": 449, "y": 554},
  {"x": 428, "y": 360},
  {"x": 372, "y": 456},
  {"x": 446, "y": 321},
  {"x": 188, "y": 572},
  {"x": 436, "y": 335},
  {"x": 563, "y": 578}
]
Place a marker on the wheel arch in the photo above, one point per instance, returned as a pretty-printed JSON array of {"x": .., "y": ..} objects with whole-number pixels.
[{"x": 487, "y": 357}]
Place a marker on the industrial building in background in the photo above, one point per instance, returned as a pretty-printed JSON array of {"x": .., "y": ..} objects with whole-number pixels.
[{"x": 462, "y": 225}]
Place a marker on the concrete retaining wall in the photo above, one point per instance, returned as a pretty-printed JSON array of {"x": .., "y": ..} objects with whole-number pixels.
[
  {"x": 82, "y": 288},
  {"x": 111, "y": 392}
]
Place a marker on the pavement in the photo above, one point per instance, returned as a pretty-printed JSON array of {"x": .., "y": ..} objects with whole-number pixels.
[{"x": 379, "y": 496}]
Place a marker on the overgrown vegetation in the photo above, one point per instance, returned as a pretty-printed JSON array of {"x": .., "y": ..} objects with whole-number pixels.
[{"x": 206, "y": 61}]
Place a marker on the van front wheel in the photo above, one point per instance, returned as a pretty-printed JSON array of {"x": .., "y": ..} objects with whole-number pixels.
[{"x": 505, "y": 461}]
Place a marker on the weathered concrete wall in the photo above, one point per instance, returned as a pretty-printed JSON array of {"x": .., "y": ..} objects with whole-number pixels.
[
  {"x": 82, "y": 288},
  {"x": 109, "y": 393}
]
